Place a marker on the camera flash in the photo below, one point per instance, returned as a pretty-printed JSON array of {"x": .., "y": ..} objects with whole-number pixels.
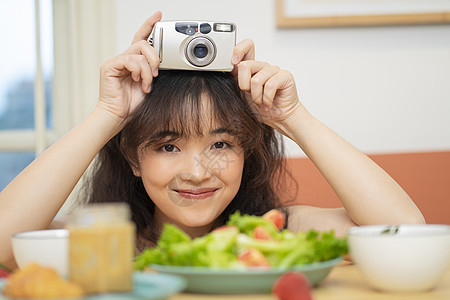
[{"x": 223, "y": 27}]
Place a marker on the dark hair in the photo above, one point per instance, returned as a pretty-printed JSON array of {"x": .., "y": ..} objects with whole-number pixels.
[{"x": 174, "y": 105}]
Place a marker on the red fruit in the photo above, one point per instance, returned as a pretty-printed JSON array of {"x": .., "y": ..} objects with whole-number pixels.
[
  {"x": 261, "y": 233},
  {"x": 276, "y": 217},
  {"x": 292, "y": 286},
  {"x": 4, "y": 273},
  {"x": 253, "y": 258}
]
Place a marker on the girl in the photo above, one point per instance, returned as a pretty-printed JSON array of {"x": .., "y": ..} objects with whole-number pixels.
[{"x": 190, "y": 148}]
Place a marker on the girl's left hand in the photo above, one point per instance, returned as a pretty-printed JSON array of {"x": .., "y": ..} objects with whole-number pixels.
[{"x": 271, "y": 91}]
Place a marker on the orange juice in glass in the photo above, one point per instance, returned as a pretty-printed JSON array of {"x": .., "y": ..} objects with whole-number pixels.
[{"x": 101, "y": 247}]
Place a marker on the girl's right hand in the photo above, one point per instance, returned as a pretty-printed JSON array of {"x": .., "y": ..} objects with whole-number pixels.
[{"x": 127, "y": 78}]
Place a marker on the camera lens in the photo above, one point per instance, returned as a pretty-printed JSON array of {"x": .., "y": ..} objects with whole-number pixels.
[{"x": 200, "y": 51}]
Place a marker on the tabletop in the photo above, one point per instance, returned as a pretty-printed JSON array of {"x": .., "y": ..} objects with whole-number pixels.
[{"x": 344, "y": 282}]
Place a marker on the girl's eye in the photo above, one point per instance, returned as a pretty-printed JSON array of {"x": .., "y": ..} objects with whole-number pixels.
[
  {"x": 169, "y": 148},
  {"x": 219, "y": 145}
]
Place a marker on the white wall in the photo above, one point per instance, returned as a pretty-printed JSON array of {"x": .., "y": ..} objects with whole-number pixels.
[{"x": 384, "y": 89}]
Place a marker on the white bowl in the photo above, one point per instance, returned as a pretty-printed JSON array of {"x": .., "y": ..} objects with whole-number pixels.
[
  {"x": 401, "y": 258},
  {"x": 46, "y": 247}
]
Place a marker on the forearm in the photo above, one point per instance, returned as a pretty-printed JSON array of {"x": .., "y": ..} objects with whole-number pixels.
[
  {"x": 34, "y": 197},
  {"x": 367, "y": 192}
]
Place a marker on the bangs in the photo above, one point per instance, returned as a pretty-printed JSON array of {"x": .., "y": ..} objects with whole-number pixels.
[
  {"x": 185, "y": 106},
  {"x": 189, "y": 104}
]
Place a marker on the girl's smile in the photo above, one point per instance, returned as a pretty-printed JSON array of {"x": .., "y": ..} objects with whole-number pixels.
[{"x": 196, "y": 193}]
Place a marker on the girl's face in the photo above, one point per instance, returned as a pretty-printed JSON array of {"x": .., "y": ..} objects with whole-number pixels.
[{"x": 192, "y": 180}]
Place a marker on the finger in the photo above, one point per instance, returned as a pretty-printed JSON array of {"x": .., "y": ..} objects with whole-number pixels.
[
  {"x": 150, "y": 54},
  {"x": 143, "y": 48},
  {"x": 146, "y": 28},
  {"x": 282, "y": 79},
  {"x": 124, "y": 65},
  {"x": 133, "y": 65},
  {"x": 258, "y": 83},
  {"x": 244, "y": 50},
  {"x": 245, "y": 71},
  {"x": 146, "y": 73}
]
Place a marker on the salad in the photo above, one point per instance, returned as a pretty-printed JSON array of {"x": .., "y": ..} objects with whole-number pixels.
[{"x": 245, "y": 241}]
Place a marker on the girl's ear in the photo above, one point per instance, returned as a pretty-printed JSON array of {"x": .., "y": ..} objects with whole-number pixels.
[
  {"x": 133, "y": 166},
  {"x": 136, "y": 171}
]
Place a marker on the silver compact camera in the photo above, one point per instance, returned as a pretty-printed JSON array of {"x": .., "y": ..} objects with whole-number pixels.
[{"x": 194, "y": 45}]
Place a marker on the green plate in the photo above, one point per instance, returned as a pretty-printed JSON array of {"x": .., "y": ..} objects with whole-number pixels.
[
  {"x": 148, "y": 286},
  {"x": 245, "y": 281}
]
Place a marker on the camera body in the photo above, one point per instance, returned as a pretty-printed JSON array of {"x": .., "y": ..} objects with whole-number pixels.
[{"x": 194, "y": 45}]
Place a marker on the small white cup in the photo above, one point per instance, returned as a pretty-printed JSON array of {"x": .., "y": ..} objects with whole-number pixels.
[
  {"x": 48, "y": 248},
  {"x": 401, "y": 258}
]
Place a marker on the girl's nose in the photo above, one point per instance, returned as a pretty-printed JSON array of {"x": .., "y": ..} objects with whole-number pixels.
[{"x": 197, "y": 168}]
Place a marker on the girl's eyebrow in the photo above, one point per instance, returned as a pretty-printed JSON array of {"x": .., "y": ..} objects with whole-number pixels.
[
  {"x": 220, "y": 130},
  {"x": 173, "y": 135},
  {"x": 167, "y": 133}
]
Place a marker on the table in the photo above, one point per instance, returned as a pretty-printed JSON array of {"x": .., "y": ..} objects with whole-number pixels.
[{"x": 344, "y": 282}]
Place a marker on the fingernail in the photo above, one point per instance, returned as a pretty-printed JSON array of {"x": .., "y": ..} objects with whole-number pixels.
[{"x": 235, "y": 59}]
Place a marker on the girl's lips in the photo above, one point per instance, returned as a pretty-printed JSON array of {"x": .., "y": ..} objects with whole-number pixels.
[{"x": 197, "y": 194}]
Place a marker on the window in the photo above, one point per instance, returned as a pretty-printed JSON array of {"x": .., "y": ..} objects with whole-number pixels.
[
  {"x": 21, "y": 70},
  {"x": 45, "y": 93}
]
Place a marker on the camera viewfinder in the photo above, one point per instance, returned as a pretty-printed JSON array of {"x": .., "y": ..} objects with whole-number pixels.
[{"x": 223, "y": 27}]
